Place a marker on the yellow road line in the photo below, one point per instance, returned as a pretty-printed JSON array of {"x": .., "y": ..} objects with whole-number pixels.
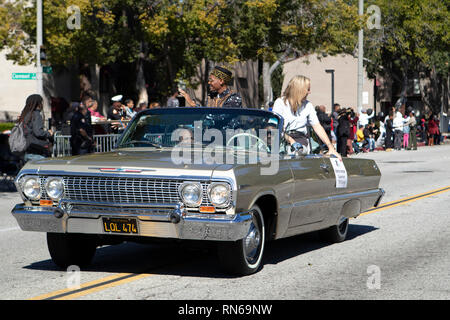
[
  {"x": 95, "y": 283},
  {"x": 111, "y": 284},
  {"x": 395, "y": 203},
  {"x": 122, "y": 278}
]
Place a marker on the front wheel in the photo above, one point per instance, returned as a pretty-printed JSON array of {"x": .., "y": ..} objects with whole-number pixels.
[
  {"x": 243, "y": 257},
  {"x": 70, "y": 249}
]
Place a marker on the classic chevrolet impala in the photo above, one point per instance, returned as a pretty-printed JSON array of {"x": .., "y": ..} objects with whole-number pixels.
[{"x": 223, "y": 175}]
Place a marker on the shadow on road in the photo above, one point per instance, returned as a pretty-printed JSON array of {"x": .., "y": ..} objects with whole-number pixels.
[
  {"x": 284, "y": 249},
  {"x": 191, "y": 258}
]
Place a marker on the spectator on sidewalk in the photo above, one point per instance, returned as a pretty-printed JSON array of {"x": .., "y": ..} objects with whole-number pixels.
[
  {"x": 142, "y": 106},
  {"x": 437, "y": 137},
  {"x": 82, "y": 141},
  {"x": 382, "y": 131},
  {"x": 325, "y": 121},
  {"x": 343, "y": 132},
  {"x": 353, "y": 121},
  {"x": 389, "y": 126},
  {"x": 406, "y": 131},
  {"x": 369, "y": 137},
  {"x": 129, "y": 109},
  {"x": 360, "y": 139},
  {"x": 154, "y": 105},
  {"x": 433, "y": 130},
  {"x": 93, "y": 109},
  {"x": 364, "y": 117},
  {"x": 38, "y": 138},
  {"x": 412, "y": 123},
  {"x": 335, "y": 118},
  {"x": 398, "y": 130},
  {"x": 173, "y": 101}
]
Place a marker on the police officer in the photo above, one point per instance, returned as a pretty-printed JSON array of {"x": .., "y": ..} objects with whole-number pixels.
[{"x": 82, "y": 141}]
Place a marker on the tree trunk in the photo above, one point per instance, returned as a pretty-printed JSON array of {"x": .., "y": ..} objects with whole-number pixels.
[
  {"x": 94, "y": 70},
  {"x": 267, "y": 85},
  {"x": 267, "y": 76},
  {"x": 140, "y": 83}
]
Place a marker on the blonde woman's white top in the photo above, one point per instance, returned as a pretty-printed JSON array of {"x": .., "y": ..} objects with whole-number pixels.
[{"x": 305, "y": 115}]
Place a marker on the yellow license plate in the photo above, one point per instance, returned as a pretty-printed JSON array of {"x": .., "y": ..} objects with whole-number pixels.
[{"x": 120, "y": 225}]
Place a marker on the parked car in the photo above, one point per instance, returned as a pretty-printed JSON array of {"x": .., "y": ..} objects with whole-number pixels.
[{"x": 223, "y": 175}]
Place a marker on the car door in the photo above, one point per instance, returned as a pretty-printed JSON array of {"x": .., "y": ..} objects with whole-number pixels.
[
  {"x": 312, "y": 189},
  {"x": 340, "y": 193}
]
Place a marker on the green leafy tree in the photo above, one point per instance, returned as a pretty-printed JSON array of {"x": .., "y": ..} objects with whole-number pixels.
[
  {"x": 17, "y": 43},
  {"x": 176, "y": 40},
  {"x": 413, "y": 39}
]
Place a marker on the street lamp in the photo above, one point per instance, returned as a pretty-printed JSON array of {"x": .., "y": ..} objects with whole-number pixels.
[{"x": 332, "y": 86}]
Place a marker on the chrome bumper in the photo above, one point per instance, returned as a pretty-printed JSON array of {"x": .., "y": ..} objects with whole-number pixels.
[{"x": 168, "y": 221}]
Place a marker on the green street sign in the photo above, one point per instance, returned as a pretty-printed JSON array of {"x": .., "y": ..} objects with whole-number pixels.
[
  {"x": 47, "y": 70},
  {"x": 23, "y": 76}
]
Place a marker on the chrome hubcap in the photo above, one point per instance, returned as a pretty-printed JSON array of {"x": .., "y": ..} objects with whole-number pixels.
[{"x": 252, "y": 242}]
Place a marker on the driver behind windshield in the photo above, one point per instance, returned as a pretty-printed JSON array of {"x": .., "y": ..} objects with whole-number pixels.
[{"x": 185, "y": 137}]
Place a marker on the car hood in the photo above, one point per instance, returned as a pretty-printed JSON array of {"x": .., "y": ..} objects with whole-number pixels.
[{"x": 154, "y": 162}]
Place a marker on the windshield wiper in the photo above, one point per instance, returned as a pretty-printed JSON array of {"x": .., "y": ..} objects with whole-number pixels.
[{"x": 156, "y": 145}]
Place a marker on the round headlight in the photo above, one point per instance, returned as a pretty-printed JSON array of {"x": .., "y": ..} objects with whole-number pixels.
[
  {"x": 54, "y": 187},
  {"x": 219, "y": 195},
  {"x": 31, "y": 187},
  {"x": 191, "y": 193}
]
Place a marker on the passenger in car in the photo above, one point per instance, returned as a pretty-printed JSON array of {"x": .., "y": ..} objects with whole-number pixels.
[
  {"x": 298, "y": 112},
  {"x": 220, "y": 95}
]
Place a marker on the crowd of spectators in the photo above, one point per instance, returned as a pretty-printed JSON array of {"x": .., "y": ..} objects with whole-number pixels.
[
  {"x": 81, "y": 120},
  {"x": 400, "y": 129},
  {"x": 351, "y": 132}
]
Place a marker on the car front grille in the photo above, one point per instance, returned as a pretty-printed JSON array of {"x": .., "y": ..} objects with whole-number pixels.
[{"x": 123, "y": 190}]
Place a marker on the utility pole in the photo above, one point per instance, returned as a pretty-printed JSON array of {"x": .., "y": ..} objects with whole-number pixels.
[
  {"x": 360, "y": 59},
  {"x": 332, "y": 87},
  {"x": 39, "y": 73},
  {"x": 40, "y": 88}
]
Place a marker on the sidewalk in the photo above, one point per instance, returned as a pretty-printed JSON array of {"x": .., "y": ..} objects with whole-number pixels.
[{"x": 423, "y": 144}]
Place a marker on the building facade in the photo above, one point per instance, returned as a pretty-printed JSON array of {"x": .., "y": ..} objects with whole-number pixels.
[{"x": 345, "y": 70}]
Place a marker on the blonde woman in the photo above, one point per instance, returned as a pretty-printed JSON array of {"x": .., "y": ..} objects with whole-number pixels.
[{"x": 297, "y": 113}]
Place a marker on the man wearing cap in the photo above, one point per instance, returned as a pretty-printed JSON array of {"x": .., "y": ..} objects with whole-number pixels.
[
  {"x": 219, "y": 95},
  {"x": 116, "y": 112}
]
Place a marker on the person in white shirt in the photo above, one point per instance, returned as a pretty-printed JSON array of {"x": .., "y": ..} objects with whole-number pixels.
[
  {"x": 381, "y": 138},
  {"x": 397, "y": 124},
  {"x": 297, "y": 113},
  {"x": 364, "y": 117}
]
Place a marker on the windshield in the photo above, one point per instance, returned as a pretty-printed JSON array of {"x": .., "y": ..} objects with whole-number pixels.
[{"x": 239, "y": 129}]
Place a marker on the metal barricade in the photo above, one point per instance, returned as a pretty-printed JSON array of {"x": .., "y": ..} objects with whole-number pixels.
[
  {"x": 105, "y": 142},
  {"x": 62, "y": 148},
  {"x": 61, "y": 145}
]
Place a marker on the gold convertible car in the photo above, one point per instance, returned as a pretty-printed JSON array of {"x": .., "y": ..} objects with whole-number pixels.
[{"x": 222, "y": 175}]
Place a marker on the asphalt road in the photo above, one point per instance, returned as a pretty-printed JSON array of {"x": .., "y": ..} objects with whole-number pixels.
[{"x": 400, "y": 251}]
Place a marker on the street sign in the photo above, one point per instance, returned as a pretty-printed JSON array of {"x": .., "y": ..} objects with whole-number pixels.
[
  {"x": 23, "y": 76},
  {"x": 47, "y": 69}
]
